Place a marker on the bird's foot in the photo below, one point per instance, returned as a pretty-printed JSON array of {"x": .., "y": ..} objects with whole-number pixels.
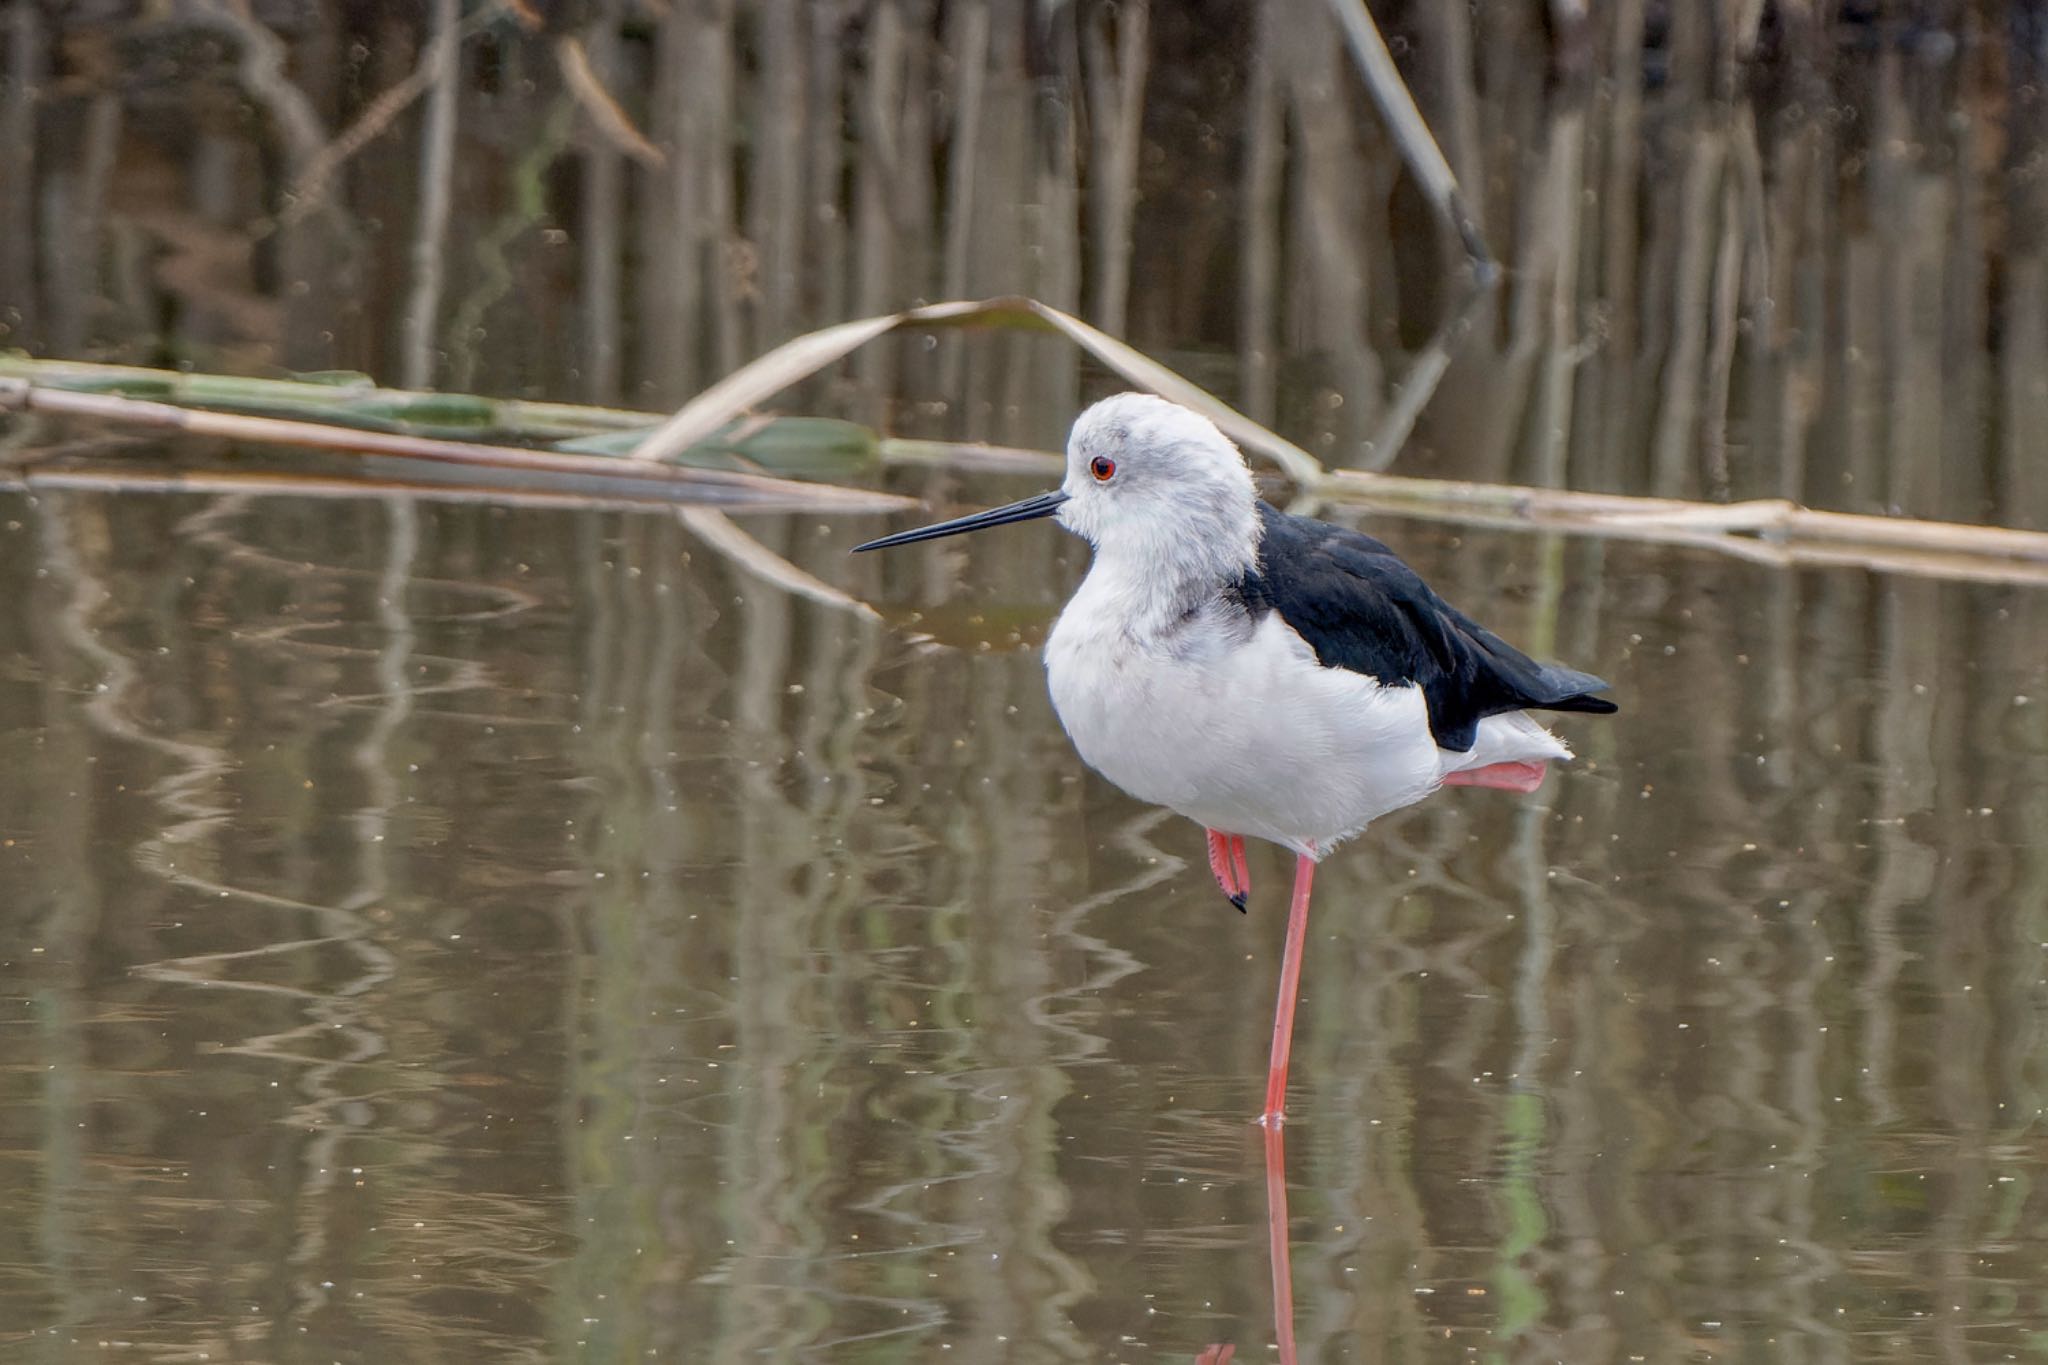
[{"x": 1226, "y": 864}]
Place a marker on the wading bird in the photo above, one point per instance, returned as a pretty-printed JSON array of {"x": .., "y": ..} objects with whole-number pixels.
[{"x": 1265, "y": 675}]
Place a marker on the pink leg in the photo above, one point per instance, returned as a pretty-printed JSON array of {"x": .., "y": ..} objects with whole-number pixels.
[
  {"x": 1290, "y": 991},
  {"x": 1226, "y": 864}
]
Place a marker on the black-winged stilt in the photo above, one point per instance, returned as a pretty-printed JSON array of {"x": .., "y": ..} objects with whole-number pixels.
[{"x": 1263, "y": 674}]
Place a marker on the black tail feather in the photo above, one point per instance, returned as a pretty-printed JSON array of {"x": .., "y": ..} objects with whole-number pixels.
[{"x": 1566, "y": 689}]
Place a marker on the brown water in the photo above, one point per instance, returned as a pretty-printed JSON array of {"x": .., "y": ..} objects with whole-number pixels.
[
  {"x": 440, "y": 933},
  {"x": 431, "y": 931}
]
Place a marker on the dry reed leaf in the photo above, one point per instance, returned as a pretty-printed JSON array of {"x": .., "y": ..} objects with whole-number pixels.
[
  {"x": 761, "y": 379},
  {"x": 1141, "y": 369},
  {"x": 802, "y": 357},
  {"x": 717, "y": 530}
]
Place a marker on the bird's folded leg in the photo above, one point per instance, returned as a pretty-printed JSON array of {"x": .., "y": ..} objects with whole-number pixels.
[
  {"x": 1227, "y": 865},
  {"x": 1507, "y": 777}
]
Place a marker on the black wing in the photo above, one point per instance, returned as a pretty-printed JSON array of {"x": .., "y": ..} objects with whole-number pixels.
[{"x": 1360, "y": 608}]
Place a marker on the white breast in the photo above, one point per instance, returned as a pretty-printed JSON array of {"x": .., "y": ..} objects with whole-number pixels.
[{"x": 1236, "y": 725}]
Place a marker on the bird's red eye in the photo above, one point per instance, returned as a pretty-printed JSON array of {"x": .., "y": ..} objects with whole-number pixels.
[{"x": 1103, "y": 469}]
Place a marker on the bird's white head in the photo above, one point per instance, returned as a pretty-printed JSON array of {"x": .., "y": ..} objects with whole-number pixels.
[
  {"x": 1152, "y": 481},
  {"x": 1161, "y": 494}
]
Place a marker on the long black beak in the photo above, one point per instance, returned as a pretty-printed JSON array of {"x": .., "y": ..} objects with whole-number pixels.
[{"x": 1044, "y": 505}]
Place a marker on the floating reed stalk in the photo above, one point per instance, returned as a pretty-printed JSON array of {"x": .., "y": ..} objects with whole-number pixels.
[
  {"x": 346, "y": 440},
  {"x": 1768, "y": 530},
  {"x": 1774, "y": 531},
  {"x": 133, "y": 479},
  {"x": 337, "y": 399}
]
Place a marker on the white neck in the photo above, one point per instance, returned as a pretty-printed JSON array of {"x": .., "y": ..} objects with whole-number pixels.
[{"x": 1145, "y": 579}]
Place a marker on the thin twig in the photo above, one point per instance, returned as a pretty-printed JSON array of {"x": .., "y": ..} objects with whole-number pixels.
[
  {"x": 603, "y": 107},
  {"x": 1411, "y": 132},
  {"x": 307, "y": 190},
  {"x": 309, "y": 187},
  {"x": 1418, "y": 385}
]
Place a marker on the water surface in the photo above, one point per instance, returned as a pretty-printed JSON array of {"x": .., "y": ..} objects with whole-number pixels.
[{"x": 435, "y": 931}]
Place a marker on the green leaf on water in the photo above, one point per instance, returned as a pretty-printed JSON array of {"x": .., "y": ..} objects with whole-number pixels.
[
  {"x": 161, "y": 390},
  {"x": 338, "y": 379},
  {"x": 424, "y": 413}
]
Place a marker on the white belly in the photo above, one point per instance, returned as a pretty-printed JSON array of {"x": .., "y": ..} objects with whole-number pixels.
[{"x": 1242, "y": 731}]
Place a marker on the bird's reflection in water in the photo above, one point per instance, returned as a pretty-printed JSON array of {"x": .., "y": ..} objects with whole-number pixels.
[
  {"x": 1276, "y": 1241},
  {"x": 1222, "y": 1352}
]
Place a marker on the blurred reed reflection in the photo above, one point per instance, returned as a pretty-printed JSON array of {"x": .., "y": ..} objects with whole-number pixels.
[
  {"x": 1754, "y": 250},
  {"x": 431, "y": 929}
]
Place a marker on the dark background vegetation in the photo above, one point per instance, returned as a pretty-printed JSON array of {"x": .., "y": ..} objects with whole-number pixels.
[{"x": 1755, "y": 249}]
